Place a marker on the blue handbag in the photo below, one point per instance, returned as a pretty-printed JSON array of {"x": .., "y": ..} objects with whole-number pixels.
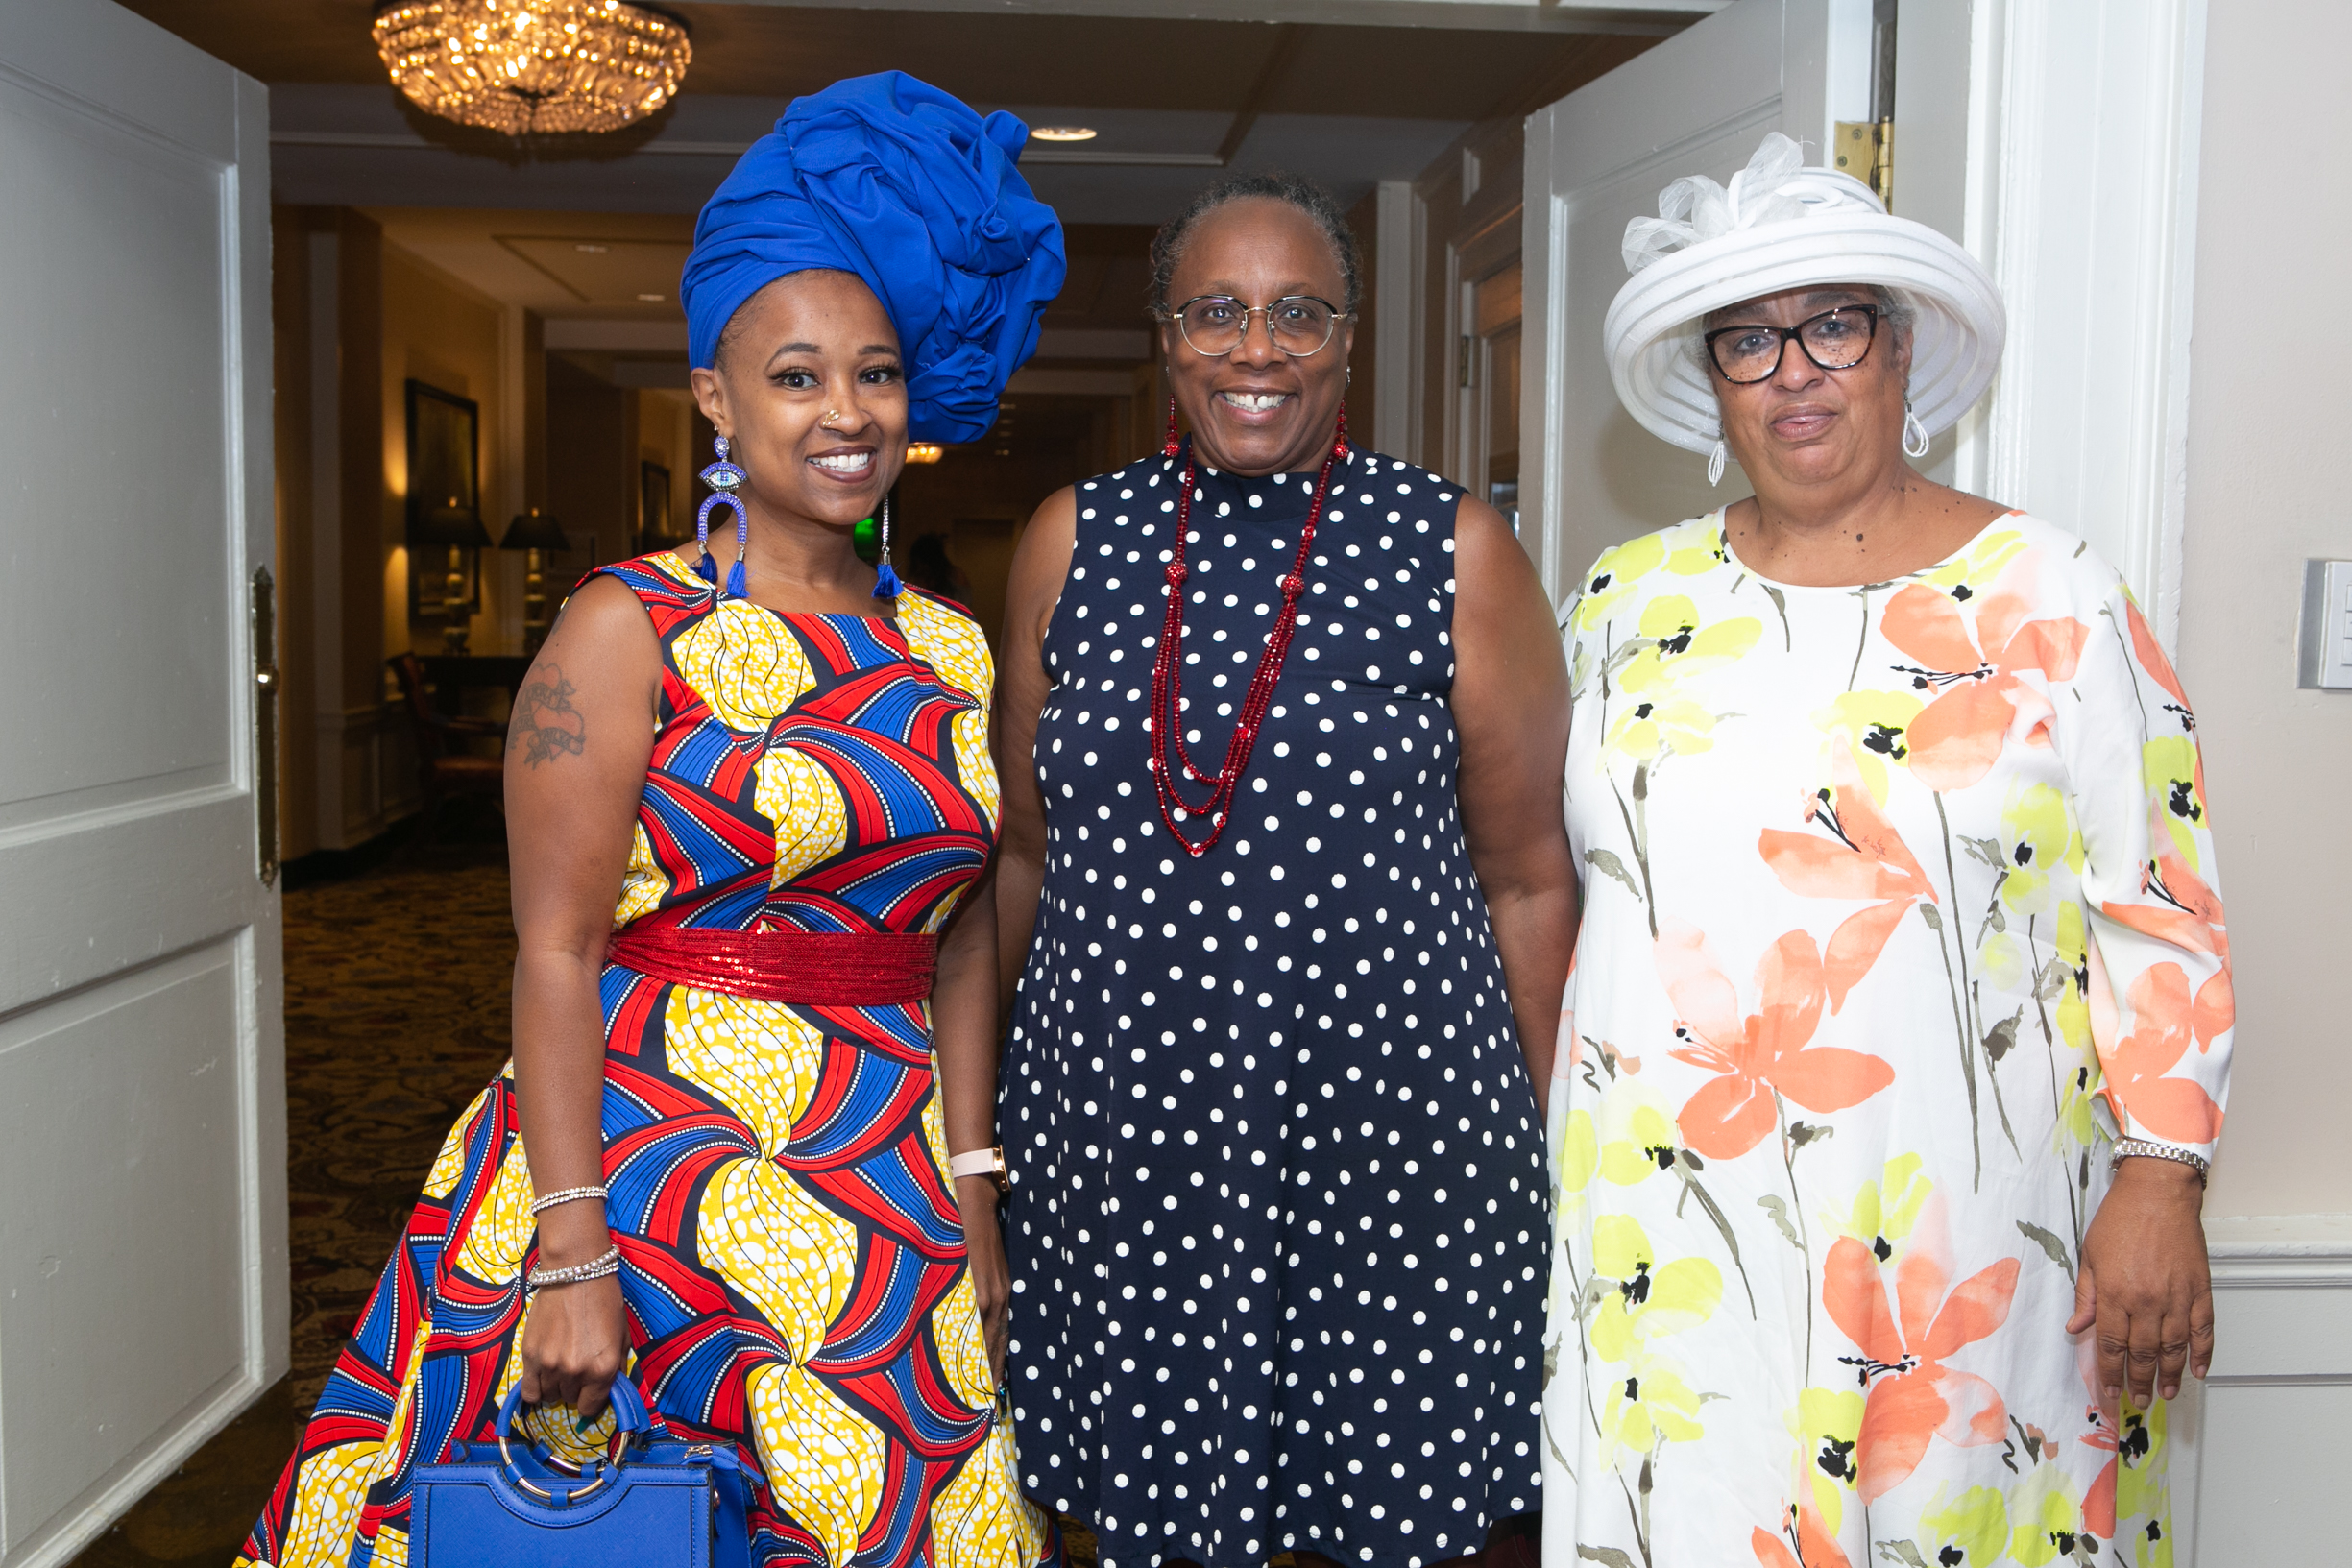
[{"x": 653, "y": 1503}]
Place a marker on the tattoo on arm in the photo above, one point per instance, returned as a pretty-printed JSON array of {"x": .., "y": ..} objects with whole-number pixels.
[{"x": 544, "y": 723}]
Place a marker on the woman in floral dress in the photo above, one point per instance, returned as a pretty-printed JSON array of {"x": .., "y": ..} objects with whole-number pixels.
[{"x": 1901, "y": 1023}]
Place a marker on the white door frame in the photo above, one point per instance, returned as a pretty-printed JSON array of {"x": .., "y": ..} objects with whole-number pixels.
[{"x": 2088, "y": 424}]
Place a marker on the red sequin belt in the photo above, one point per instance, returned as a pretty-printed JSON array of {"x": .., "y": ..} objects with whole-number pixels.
[{"x": 836, "y": 969}]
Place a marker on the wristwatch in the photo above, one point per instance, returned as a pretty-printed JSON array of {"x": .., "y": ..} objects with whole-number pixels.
[{"x": 982, "y": 1162}]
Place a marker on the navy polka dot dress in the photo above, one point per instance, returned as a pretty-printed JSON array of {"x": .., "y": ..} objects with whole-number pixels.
[{"x": 1277, "y": 1232}]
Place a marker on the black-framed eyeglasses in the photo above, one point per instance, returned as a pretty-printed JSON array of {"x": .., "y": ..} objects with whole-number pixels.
[
  {"x": 1215, "y": 324},
  {"x": 1835, "y": 340}
]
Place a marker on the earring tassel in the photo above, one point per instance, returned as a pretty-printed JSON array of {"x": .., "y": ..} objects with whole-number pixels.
[
  {"x": 886, "y": 581},
  {"x": 735, "y": 581}
]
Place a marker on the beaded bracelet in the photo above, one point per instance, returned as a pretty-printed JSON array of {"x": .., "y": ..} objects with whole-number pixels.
[
  {"x": 567, "y": 1195},
  {"x": 593, "y": 1268},
  {"x": 2126, "y": 1149}
]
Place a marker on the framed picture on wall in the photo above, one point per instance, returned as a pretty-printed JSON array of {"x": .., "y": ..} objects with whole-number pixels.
[
  {"x": 445, "y": 536},
  {"x": 655, "y": 520}
]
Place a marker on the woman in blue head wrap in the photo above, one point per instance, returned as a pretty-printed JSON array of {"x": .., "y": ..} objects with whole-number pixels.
[{"x": 751, "y": 811}]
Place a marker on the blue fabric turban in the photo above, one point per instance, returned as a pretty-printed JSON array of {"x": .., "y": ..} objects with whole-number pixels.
[{"x": 892, "y": 180}]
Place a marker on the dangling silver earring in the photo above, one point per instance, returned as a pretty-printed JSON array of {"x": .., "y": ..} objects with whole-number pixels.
[
  {"x": 1914, "y": 434},
  {"x": 1715, "y": 461}
]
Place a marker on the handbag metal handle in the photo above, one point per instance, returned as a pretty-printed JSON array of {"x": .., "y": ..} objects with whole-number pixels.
[{"x": 629, "y": 1415}]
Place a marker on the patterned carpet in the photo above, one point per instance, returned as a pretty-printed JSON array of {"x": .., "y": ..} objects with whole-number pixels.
[{"x": 398, "y": 989}]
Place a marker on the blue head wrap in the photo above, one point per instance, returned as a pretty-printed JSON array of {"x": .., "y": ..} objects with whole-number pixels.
[{"x": 892, "y": 180}]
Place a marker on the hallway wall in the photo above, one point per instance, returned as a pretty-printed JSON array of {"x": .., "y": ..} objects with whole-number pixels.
[
  {"x": 2264, "y": 493},
  {"x": 2264, "y": 496}
]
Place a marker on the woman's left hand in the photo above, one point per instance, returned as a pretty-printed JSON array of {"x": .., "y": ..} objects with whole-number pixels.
[
  {"x": 991, "y": 1274},
  {"x": 2146, "y": 1285}
]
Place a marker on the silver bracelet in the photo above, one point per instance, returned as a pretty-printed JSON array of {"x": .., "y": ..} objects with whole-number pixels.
[
  {"x": 593, "y": 1268},
  {"x": 567, "y": 1195},
  {"x": 2126, "y": 1149}
]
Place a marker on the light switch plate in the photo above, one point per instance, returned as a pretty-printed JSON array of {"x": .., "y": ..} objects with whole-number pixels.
[{"x": 2324, "y": 649}]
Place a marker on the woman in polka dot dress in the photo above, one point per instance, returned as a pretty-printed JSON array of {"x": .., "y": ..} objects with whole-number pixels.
[{"x": 1277, "y": 1235}]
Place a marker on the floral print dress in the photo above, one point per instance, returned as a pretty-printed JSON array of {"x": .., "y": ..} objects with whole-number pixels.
[{"x": 1898, "y": 907}]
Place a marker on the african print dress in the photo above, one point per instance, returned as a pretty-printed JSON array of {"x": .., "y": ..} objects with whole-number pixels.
[
  {"x": 1898, "y": 908},
  {"x": 794, "y": 1262}
]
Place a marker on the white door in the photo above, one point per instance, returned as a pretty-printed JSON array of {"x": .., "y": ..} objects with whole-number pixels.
[
  {"x": 1697, "y": 103},
  {"x": 142, "y": 1121}
]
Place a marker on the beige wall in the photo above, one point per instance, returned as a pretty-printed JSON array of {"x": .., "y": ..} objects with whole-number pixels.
[{"x": 2269, "y": 411}]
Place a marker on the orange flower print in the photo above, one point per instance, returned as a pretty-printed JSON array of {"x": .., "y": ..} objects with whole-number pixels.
[
  {"x": 2162, "y": 1022},
  {"x": 1815, "y": 1545},
  {"x": 1912, "y": 1396},
  {"x": 1863, "y": 857},
  {"x": 1761, "y": 1056},
  {"x": 1972, "y": 670}
]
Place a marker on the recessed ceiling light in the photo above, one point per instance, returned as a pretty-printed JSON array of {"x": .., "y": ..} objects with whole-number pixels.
[
  {"x": 652, "y": 298},
  {"x": 592, "y": 250},
  {"x": 1064, "y": 132}
]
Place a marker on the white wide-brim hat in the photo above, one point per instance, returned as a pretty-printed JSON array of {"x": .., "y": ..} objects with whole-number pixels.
[{"x": 1783, "y": 226}]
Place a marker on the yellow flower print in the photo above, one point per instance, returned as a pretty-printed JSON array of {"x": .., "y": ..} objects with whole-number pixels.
[
  {"x": 2073, "y": 1009},
  {"x": 1966, "y": 1530},
  {"x": 2038, "y": 835},
  {"x": 1652, "y": 731},
  {"x": 1652, "y": 1403},
  {"x": 2001, "y": 963},
  {"x": 1686, "y": 550},
  {"x": 2047, "y": 1523},
  {"x": 1613, "y": 575},
  {"x": 1885, "y": 1211},
  {"x": 1638, "y": 1137},
  {"x": 1827, "y": 1424},
  {"x": 1976, "y": 569},
  {"x": 2140, "y": 1481},
  {"x": 2169, "y": 767},
  {"x": 1579, "y": 1156},
  {"x": 1651, "y": 1300},
  {"x": 1875, "y": 724},
  {"x": 1681, "y": 647}
]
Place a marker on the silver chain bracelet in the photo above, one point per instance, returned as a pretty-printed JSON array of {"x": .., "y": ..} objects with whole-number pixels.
[
  {"x": 567, "y": 1195},
  {"x": 593, "y": 1268},
  {"x": 2141, "y": 1148}
]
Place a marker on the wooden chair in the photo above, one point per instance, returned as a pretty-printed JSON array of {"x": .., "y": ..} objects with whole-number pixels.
[{"x": 443, "y": 766}]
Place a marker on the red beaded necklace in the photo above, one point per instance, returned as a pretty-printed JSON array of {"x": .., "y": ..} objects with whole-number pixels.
[{"x": 1168, "y": 669}]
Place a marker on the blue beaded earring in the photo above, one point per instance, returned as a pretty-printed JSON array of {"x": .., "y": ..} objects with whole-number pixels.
[
  {"x": 885, "y": 580},
  {"x": 723, "y": 477}
]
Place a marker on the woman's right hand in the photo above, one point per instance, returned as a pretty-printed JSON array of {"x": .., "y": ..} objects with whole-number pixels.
[
  {"x": 574, "y": 1344},
  {"x": 576, "y": 1339}
]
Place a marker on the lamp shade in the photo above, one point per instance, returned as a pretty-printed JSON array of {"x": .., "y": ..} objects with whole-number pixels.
[
  {"x": 534, "y": 530},
  {"x": 449, "y": 524}
]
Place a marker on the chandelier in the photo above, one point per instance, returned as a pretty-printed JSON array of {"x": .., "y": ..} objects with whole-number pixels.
[{"x": 524, "y": 66}]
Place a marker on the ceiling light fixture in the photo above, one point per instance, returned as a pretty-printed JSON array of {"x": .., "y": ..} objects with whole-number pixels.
[
  {"x": 925, "y": 452},
  {"x": 533, "y": 66},
  {"x": 651, "y": 298},
  {"x": 1063, "y": 132}
]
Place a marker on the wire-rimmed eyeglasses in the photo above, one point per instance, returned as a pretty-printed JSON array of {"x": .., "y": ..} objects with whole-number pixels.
[
  {"x": 1835, "y": 340},
  {"x": 1215, "y": 324}
]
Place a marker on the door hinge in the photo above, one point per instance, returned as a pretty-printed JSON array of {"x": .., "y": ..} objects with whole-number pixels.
[
  {"x": 1468, "y": 371},
  {"x": 1865, "y": 149},
  {"x": 265, "y": 723}
]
